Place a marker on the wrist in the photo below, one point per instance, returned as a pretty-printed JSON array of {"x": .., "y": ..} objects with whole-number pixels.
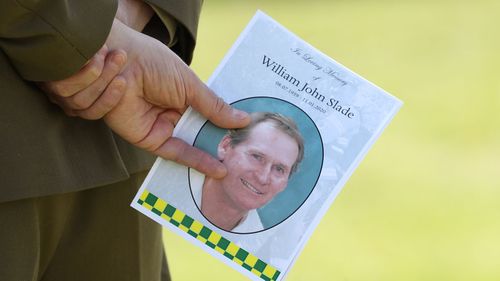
[
  {"x": 134, "y": 13},
  {"x": 120, "y": 37}
]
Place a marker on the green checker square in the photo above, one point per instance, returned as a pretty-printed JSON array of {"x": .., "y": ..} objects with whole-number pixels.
[
  {"x": 265, "y": 278},
  {"x": 276, "y": 274},
  {"x": 192, "y": 233},
  {"x": 156, "y": 211},
  {"x": 247, "y": 267},
  {"x": 140, "y": 202},
  {"x": 151, "y": 199},
  {"x": 241, "y": 255},
  {"x": 228, "y": 255},
  {"x": 169, "y": 211},
  {"x": 210, "y": 244},
  {"x": 260, "y": 265},
  {"x": 187, "y": 221},
  {"x": 223, "y": 243},
  {"x": 205, "y": 232},
  {"x": 174, "y": 222}
]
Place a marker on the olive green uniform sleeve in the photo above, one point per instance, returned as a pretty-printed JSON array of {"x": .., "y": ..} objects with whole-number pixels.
[
  {"x": 186, "y": 15},
  {"x": 47, "y": 40}
]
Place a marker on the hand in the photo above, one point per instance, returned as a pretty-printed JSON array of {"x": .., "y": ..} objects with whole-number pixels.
[
  {"x": 159, "y": 89},
  {"x": 94, "y": 90}
]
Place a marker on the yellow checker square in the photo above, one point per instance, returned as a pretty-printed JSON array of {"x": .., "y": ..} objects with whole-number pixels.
[
  {"x": 232, "y": 249},
  {"x": 202, "y": 239},
  {"x": 269, "y": 271},
  {"x": 147, "y": 206},
  {"x": 144, "y": 195},
  {"x": 220, "y": 250},
  {"x": 160, "y": 205},
  {"x": 184, "y": 228},
  {"x": 251, "y": 260},
  {"x": 256, "y": 272},
  {"x": 165, "y": 217},
  {"x": 239, "y": 262},
  {"x": 214, "y": 238},
  {"x": 178, "y": 216},
  {"x": 196, "y": 227}
]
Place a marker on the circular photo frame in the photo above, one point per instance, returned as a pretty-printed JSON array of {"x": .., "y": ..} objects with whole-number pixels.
[{"x": 300, "y": 183}]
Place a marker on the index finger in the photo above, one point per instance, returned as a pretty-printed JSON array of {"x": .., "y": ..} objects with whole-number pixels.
[
  {"x": 213, "y": 107},
  {"x": 179, "y": 151}
]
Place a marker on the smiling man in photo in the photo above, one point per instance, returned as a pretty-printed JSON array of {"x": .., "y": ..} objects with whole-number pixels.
[{"x": 260, "y": 159}]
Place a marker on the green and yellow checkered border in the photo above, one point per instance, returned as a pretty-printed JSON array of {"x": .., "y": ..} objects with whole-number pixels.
[{"x": 210, "y": 238}]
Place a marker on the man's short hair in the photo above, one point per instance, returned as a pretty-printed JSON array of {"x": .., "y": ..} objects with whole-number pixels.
[{"x": 280, "y": 122}]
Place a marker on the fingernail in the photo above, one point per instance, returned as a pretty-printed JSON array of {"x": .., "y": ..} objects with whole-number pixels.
[
  {"x": 120, "y": 58},
  {"x": 238, "y": 114},
  {"x": 220, "y": 171},
  {"x": 119, "y": 83}
]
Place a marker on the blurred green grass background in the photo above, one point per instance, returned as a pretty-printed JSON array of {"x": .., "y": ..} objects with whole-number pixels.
[{"x": 425, "y": 202}]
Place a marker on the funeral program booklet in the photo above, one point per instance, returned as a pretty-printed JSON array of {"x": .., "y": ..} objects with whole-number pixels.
[{"x": 313, "y": 120}]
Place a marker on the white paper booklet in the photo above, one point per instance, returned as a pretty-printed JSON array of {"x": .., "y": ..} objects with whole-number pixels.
[{"x": 314, "y": 120}]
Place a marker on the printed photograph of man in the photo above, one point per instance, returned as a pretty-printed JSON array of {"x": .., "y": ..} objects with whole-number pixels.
[{"x": 260, "y": 159}]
